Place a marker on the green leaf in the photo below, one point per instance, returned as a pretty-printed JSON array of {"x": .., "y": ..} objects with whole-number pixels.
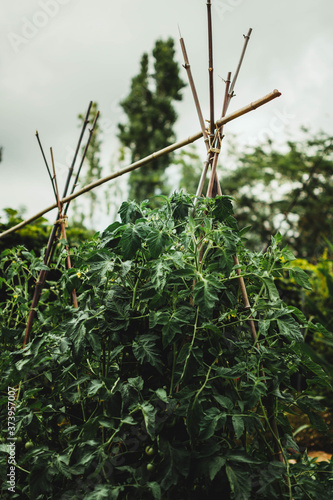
[
  {"x": 271, "y": 288},
  {"x": 155, "y": 488},
  {"x": 238, "y": 425},
  {"x": 104, "y": 492},
  {"x": 157, "y": 241},
  {"x": 223, "y": 207},
  {"x": 300, "y": 277},
  {"x": 94, "y": 387},
  {"x": 159, "y": 274},
  {"x": 289, "y": 328},
  {"x": 224, "y": 401},
  {"x": 240, "y": 483},
  {"x": 145, "y": 350},
  {"x": 136, "y": 383},
  {"x": 215, "y": 465},
  {"x": 288, "y": 254},
  {"x": 149, "y": 414},
  {"x": 211, "y": 419},
  {"x": 129, "y": 211},
  {"x": 131, "y": 240},
  {"x": 232, "y": 373},
  {"x": 205, "y": 293}
]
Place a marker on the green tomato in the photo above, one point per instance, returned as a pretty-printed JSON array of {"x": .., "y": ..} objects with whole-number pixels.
[
  {"x": 28, "y": 445},
  {"x": 149, "y": 450},
  {"x": 150, "y": 467}
]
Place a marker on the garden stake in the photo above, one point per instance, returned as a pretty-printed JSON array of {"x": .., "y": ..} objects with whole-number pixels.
[
  {"x": 62, "y": 222},
  {"x": 46, "y": 164},
  {"x": 201, "y": 120},
  {"x": 91, "y": 131},
  {"x": 218, "y": 144},
  {"x": 144, "y": 161},
  {"x": 210, "y": 71},
  {"x": 42, "y": 275},
  {"x": 76, "y": 178},
  {"x": 227, "y": 98},
  {"x": 69, "y": 175}
]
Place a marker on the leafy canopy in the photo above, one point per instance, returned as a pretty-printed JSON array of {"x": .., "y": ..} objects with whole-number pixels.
[{"x": 155, "y": 387}]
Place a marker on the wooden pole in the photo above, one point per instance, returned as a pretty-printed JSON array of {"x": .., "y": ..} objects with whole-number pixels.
[
  {"x": 227, "y": 98},
  {"x": 91, "y": 131},
  {"x": 187, "y": 66},
  {"x": 62, "y": 223},
  {"x": 210, "y": 70},
  {"x": 133, "y": 166},
  {"x": 46, "y": 164},
  {"x": 201, "y": 121},
  {"x": 218, "y": 145}
]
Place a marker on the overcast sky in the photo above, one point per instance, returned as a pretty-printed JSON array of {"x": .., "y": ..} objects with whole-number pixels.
[{"x": 57, "y": 55}]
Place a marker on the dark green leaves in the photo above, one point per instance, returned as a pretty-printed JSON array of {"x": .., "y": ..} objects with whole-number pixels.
[
  {"x": 205, "y": 293},
  {"x": 300, "y": 277},
  {"x": 145, "y": 350},
  {"x": 160, "y": 357},
  {"x": 157, "y": 241},
  {"x": 132, "y": 239}
]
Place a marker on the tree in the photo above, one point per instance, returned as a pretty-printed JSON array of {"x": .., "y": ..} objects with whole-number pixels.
[
  {"x": 288, "y": 191},
  {"x": 151, "y": 117}
]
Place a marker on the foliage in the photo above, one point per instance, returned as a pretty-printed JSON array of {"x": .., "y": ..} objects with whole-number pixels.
[
  {"x": 150, "y": 118},
  {"x": 155, "y": 387},
  {"x": 34, "y": 236},
  {"x": 316, "y": 304},
  {"x": 289, "y": 191}
]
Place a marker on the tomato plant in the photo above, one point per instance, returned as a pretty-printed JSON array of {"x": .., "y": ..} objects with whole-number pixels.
[{"x": 155, "y": 387}]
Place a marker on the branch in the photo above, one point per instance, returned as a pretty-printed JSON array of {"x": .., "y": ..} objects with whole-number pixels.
[{"x": 250, "y": 107}]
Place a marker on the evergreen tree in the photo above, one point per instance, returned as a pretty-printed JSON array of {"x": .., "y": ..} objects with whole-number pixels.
[{"x": 150, "y": 118}]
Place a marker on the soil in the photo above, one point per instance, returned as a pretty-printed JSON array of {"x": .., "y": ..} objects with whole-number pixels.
[{"x": 318, "y": 444}]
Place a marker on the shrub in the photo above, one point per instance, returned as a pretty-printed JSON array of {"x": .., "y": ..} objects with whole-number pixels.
[{"x": 155, "y": 388}]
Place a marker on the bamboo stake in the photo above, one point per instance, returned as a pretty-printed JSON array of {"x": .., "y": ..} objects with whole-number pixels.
[
  {"x": 247, "y": 38},
  {"x": 227, "y": 98},
  {"x": 187, "y": 66},
  {"x": 133, "y": 166},
  {"x": 62, "y": 223},
  {"x": 91, "y": 131},
  {"x": 42, "y": 275},
  {"x": 210, "y": 70},
  {"x": 85, "y": 123},
  {"x": 226, "y": 102},
  {"x": 46, "y": 164},
  {"x": 219, "y": 139},
  {"x": 201, "y": 120},
  {"x": 69, "y": 175},
  {"x": 50, "y": 253}
]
